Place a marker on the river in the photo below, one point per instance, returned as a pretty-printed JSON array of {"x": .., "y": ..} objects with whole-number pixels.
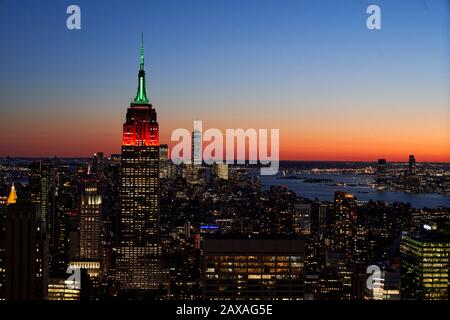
[{"x": 324, "y": 191}]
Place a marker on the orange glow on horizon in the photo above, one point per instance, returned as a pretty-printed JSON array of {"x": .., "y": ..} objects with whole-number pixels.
[{"x": 429, "y": 143}]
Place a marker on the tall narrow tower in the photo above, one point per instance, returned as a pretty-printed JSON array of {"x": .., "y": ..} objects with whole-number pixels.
[
  {"x": 138, "y": 265},
  {"x": 412, "y": 165}
]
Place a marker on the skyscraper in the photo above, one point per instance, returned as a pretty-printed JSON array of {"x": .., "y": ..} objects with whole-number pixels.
[
  {"x": 90, "y": 224},
  {"x": 345, "y": 216},
  {"x": 44, "y": 192},
  {"x": 138, "y": 255},
  {"x": 3, "y": 205},
  {"x": 412, "y": 164},
  {"x": 319, "y": 220},
  {"x": 196, "y": 170},
  {"x": 98, "y": 165},
  {"x": 381, "y": 177},
  {"x": 302, "y": 218},
  {"x": 424, "y": 263},
  {"x": 163, "y": 161},
  {"x": 197, "y": 143},
  {"x": 343, "y": 238},
  {"x": 26, "y": 253},
  {"x": 41, "y": 183},
  {"x": 90, "y": 234}
]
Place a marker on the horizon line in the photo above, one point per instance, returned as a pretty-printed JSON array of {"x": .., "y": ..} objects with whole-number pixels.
[{"x": 281, "y": 160}]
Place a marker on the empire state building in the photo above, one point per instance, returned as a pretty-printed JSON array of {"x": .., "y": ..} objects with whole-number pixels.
[{"x": 138, "y": 263}]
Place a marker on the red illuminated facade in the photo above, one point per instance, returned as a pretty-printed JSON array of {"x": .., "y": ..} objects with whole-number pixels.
[{"x": 141, "y": 127}]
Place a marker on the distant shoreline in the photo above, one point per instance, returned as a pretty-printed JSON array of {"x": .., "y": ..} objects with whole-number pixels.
[{"x": 358, "y": 162}]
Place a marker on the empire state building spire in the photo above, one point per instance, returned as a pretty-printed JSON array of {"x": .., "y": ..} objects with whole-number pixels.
[
  {"x": 141, "y": 95},
  {"x": 142, "y": 52}
]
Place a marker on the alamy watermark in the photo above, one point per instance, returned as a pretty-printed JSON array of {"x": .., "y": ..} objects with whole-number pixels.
[
  {"x": 250, "y": 146},
  {"x": 376, "y": 279},
  {"x": 73, "y": 21},
  {"x": 373, "y": 22},
  {"x": 74, "y": 280}
]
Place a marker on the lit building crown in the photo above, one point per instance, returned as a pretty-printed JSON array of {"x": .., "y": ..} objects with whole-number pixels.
[
  {"x": 12, "y": 195},
  {"x": 141, "y": 126}
]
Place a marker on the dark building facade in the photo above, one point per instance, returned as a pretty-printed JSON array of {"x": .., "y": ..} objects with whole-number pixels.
[
  {"x": 412, "y": 164},
  {"x": 26, "y": 253},
  {"x": 3, "y": 201}
]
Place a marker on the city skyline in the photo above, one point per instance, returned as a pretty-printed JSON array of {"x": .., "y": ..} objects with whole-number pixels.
[
  {"x": 336, "y": 90},
  {"x": 146, "y": 219}
]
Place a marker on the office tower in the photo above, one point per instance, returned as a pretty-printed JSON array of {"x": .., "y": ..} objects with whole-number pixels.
[
  {"x": 330, "y": 286},
  {"x": 26, "y": 253},
  {"x": 34, "y": 179},
  {"x": 425, "y": 265},
  {"x": 186, "y": 170},
  {"x": 342, "y": 239},
  {"x": 66, "y": 246},
  {"x": 412, "y": 165},
  {"x": 253, "y": 269},
  {"x": 311, "y": 286},
  {"x": 359, "y": 284},
  {"x": 138, "y": 256},
  {"x": 90, "y": 234},
  {"x": 98, "y": 165},
  {"x": 239, "y": 176},
  {"x": 220, "y": 171},
  {"x": 345, "y": 216},
  {"x": 197, "y": 144},
  {"x": 381, "y": 173},
  {"x": 339, "y": 262},
  {"x": 164, "y": 161},
  {"x": 360, "y": 254},
  {"x": 382, "y": 164},
  {"x": 41, "y": 184},
  {"x": 319, "y": 220},
  {"x": 4, "y": 202},
  {"x": 45, "y": 194},
  {"x": 302, "y": 218},
  {"x": 197, "y": 173},
  {"x": 59, "y": 291},
  {"x": 90, "y": 224}
]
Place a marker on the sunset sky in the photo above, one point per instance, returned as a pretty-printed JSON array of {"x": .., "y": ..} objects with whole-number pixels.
[{"x": 336, "y": 90}]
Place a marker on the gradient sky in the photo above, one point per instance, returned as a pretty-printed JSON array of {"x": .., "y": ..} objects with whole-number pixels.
[{"x": 336, "y": 90}]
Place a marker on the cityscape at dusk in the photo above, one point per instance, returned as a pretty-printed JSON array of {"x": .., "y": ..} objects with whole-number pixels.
[{"x": 222, "y": 158}]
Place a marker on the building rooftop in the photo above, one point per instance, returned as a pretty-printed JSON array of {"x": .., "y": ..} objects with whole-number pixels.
[{"x": 256, "y": 246}]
